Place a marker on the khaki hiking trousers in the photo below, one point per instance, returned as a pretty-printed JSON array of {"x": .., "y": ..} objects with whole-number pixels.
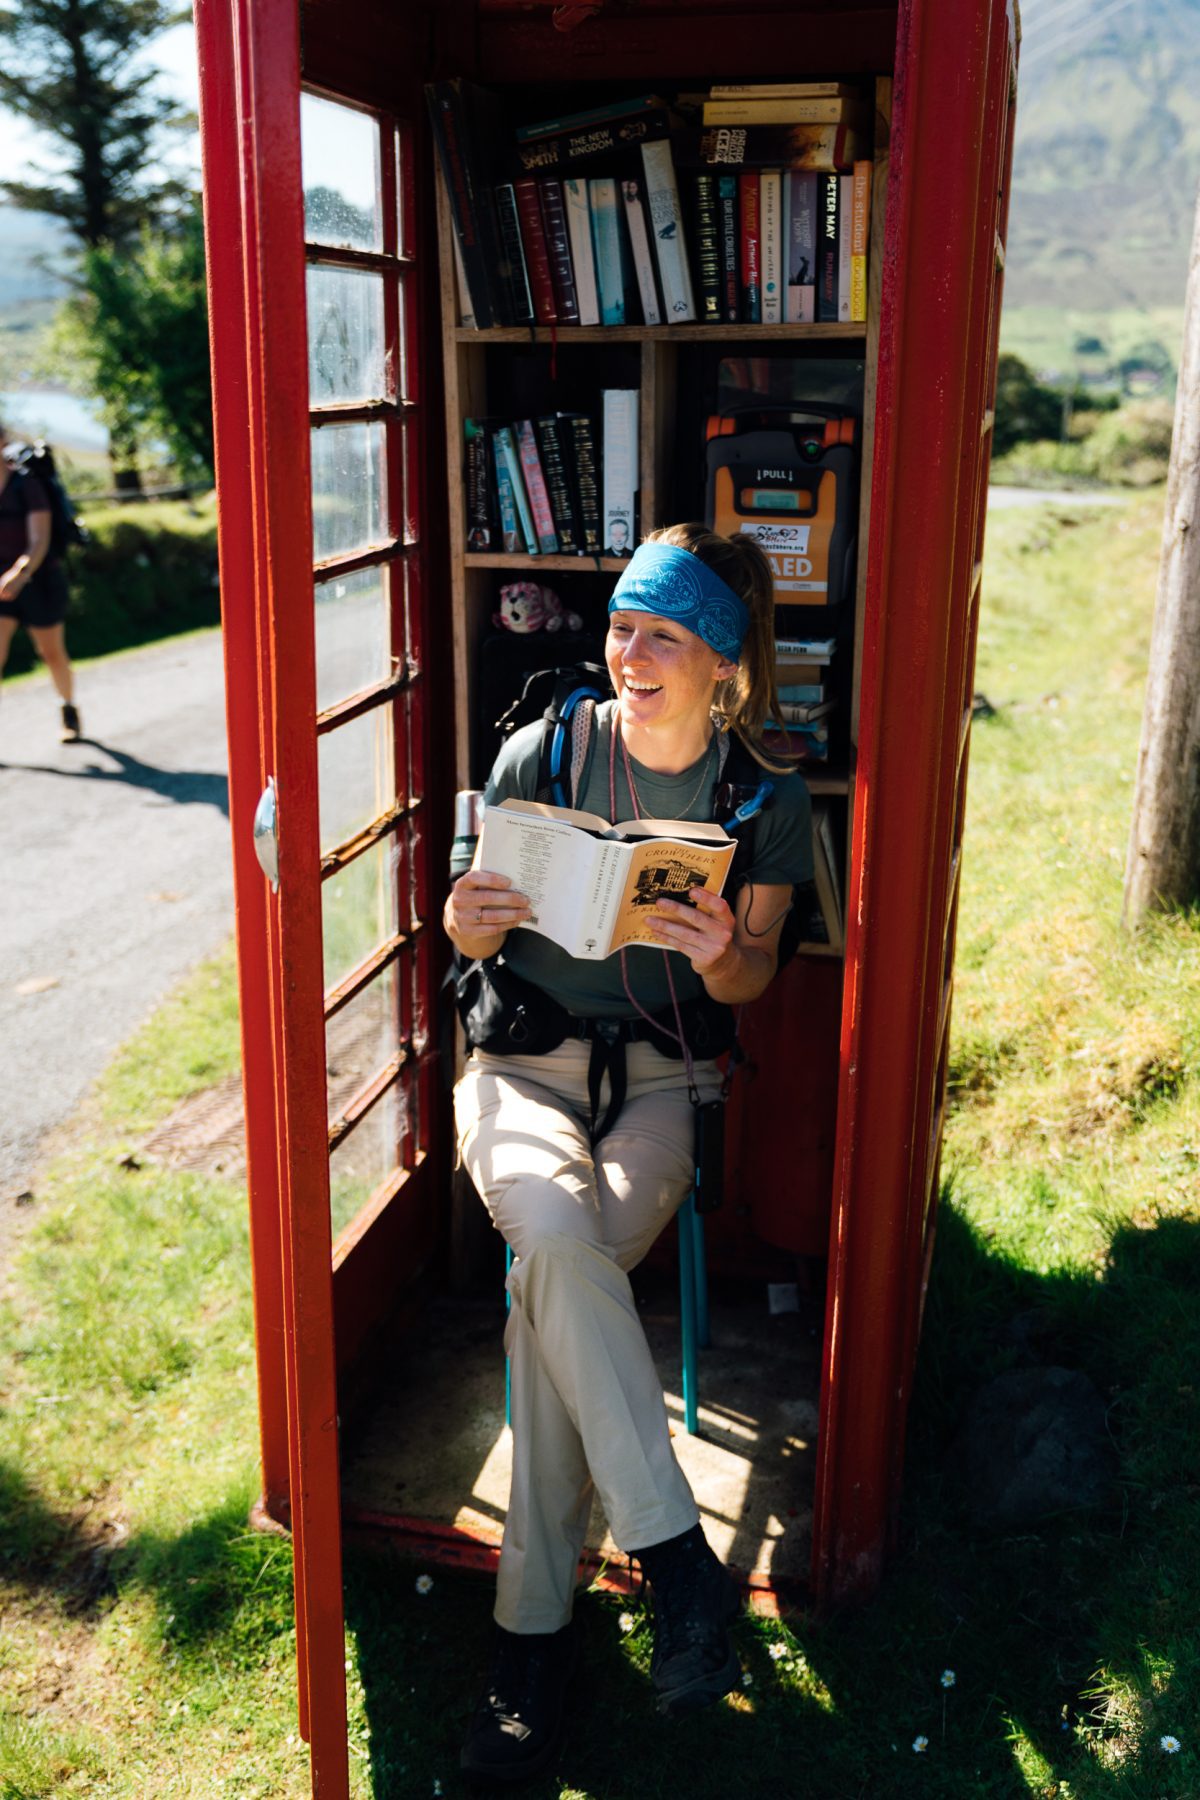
[{"x": 587, "y": 1405}]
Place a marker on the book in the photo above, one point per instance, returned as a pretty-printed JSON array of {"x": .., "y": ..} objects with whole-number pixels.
[
  {"x": 666, "y": 223},
  {"x": 535, "y": 487},
  {"x": 620, "y": 470},
  {"x": 800, "y": 303},
  {"x": 817, "y": 147},
  {"x": 579, "y": 455},
  {"x": 826, "y": 876},
  {"x": 845, "y": 206},
  {"x": 748, "y": 195},
  {"x": 511, "y": 540},
  {"x": 558, "y": 487},
  {"x": 802, "y": 693},
  {"x": 793, "y": 675},
  {"x": 792, "y": 109},
  {"x": 707, "y": 250},
  {"x": 508, "y": 463},
  {"x": 479, "y": 532},
  {"x": 537, "y": 252},
  {"x": 461, "y": 177},
  {"x": 860, "y": 235},
  {"x": 811, "y": 649},
  {"x": 572, "y": 151},
  {"x": 466, "y": 315},
  {"x": 827, "y": 248},
  {"x": 781, "y": 90},
  {"x": 596, "y": 115},
  {"x": 590, "y": 885},
  {"x": 640, "y": 251},
  {"x": 770, "y": 200},
  {"x": 558, "y": 250},
  {"x": 607, "y": 249},
  {"x": 727, "y": 204},
  {"x": 583, "y": 260},
  {"x": 514, "y": 276},
  {"x": 804, "y": 712}
]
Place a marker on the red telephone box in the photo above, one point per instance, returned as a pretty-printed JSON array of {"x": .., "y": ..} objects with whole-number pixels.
[{"x": 349, "y": 610}]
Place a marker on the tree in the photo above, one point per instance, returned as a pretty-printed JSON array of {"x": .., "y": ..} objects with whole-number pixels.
[
  {"x": 1025, "y": 408},
  {"x": 1163, "y": 866},
  {"x": 68, "y": 66},
  {"x": 139, "y": 330}
]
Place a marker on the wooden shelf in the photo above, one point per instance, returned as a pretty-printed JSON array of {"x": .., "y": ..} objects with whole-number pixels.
[
  {"x": 654, "y": 334},
  {"x": 574, "y": 565},
  {"x": 821, "y": 781},
  {"x": 819, "y": 950}
]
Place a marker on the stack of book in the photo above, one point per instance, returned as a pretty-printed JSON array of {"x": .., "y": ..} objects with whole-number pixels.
[
  {"x": 805, "y": 703},
  {"x": 555, "y": 485},
  {"x": 749, "y": 205}
]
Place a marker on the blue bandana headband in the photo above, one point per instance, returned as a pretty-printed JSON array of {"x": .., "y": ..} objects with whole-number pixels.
[{"x": 663, "y": 579}]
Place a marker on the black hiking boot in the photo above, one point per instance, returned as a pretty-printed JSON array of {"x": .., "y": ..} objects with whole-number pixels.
[
  {"x": 518, "y": 1723},
  {"x": 695, "y": 1601},
  {"x": 71, "y": 730}
]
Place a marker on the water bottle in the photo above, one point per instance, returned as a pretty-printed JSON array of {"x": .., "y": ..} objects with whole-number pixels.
[{"x": 468, "y": 820}]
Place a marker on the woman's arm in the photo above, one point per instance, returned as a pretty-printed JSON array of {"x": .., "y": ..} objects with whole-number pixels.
[
  {"x": 733, "y": 951},
  {"x": 37, "y": 530}
]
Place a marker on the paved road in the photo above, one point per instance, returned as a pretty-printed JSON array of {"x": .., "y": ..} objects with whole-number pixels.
[
  {"x": 1019, "y": 496},
  {"x": 114, "y": 871}
]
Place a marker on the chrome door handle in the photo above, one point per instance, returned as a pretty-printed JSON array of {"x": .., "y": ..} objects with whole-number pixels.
[{"x": 266, "y": 844}]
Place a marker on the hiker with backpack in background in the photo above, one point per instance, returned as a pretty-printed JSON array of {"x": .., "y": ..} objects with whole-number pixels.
[
  {"x": 585, "y": 1109},
  {"x": 36, "y": 528}
]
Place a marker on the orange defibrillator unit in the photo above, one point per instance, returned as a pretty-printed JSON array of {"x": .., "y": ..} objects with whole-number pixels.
[{"x": 788, "y": 478}]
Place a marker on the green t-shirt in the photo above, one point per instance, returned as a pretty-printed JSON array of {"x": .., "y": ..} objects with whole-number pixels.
[{"x": 595, "y": 990}]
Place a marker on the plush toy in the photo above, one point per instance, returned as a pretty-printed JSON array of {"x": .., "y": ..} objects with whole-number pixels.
[{"x": 527, "y": 606}]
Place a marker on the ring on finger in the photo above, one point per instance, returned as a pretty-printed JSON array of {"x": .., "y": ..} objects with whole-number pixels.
[{"x": 479, "y": 916}]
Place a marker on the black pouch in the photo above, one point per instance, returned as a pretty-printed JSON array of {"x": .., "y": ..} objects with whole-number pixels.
[
  {"x": 709, "y": 1126},
  {"x": 506, "y": 1016}
]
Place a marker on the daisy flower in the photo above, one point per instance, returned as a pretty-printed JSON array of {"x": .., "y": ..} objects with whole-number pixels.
[
  {"x": 776, "y": 1652},
  {"x": 747, "y": 1679},
  {"x": 1170, "y": 1744},
  {"x": 948, "y": 1678},
  {"x": 627, "y": 1622},
  {"x": 424, "y": 1584},
  {"x": 920, "y": 1744}
]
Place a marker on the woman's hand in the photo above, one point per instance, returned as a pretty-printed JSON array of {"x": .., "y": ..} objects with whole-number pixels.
[
  {"x": 480, "y": 909},
  {"x": 733, "y": 955},
  {"x": 13, "y": 580},
  {"x": 703, "y": 932}
]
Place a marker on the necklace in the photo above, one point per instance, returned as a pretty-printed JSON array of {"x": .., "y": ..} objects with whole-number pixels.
[{"x": 633, "y": 793}]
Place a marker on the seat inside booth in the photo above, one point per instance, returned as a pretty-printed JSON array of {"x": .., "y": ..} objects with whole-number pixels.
[{"x": 425, "y": 1447}]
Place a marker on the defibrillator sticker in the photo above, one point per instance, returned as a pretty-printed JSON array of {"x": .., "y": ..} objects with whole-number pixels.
[
  {"x": 787, "y": 551},
  {"x": 792, "y": 538}
]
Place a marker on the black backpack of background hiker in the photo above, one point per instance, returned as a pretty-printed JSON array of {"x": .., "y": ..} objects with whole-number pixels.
[{"x": 65, "y": 530}]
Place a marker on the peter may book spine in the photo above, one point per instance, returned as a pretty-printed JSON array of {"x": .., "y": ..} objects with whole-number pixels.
[{"x": 827, "y": 248}]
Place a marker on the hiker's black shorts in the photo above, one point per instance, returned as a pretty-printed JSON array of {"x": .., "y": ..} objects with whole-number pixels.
[{"x": 42, "y": 602}]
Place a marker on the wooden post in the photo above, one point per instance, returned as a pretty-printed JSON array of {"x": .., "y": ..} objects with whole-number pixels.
[{"x": 1163, "y": 866}]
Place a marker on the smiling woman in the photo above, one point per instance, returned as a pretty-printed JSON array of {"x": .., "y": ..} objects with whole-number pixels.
[{"x": 628, "y": 1043}]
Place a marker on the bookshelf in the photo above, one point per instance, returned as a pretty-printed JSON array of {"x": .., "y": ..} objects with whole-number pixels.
[{"x": 468, "y": 354}]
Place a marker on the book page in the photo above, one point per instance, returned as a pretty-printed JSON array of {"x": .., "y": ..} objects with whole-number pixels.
[
  {"x": 546, "y": 860},
  {"x": 664, "y": 868}
]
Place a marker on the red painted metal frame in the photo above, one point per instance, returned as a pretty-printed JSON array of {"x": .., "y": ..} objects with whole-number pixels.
[
  {"x": 930, "y": 458},
  {"x": 250, "y": 68}
]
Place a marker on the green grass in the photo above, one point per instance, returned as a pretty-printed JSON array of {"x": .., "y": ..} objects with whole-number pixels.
[{"x": 1070, "y": 1234}]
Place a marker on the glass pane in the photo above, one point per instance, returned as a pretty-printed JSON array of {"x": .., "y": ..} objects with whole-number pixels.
[
  {"x": 358, "y": 909},
  {"x": 364, "y": 1159},
  {"x": 339, "y": 155},
  {"x": 354, "y": 635},
  {"x": 359, "y": 1041},
  {"x": 356, "y": 775},
  {"x": 345, "y": 335},
  {"x": 347, "y": 480}
]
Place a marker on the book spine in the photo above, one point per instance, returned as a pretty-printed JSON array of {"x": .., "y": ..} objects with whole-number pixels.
[
  {"x": 583, "y": 261},
  {"x": 751, "y": 274},
  {"x": 802, "y": 693},
  {"x": 598, "y": 115},
  {"x": 466, "y": 314},
  {"x": 708, "y": 250},
  {"x": 801, "y": 248},
  {"x": 666, "y": 220},
  {"x": 587, "y": 487},
  {"x": 639, "y": 244},
  {"x": 479, "y": 535},
  {"x": 507, "y": 459},
  {"x": 558, "y": 248},
  {"x": 535, "y": 487},
  {"x": 568, "y": 153},
  {"x": 816, "y": 147},
  {"x": 537, "y": 253},
  {"x": 793, "y": 712},
  {"x": 770, "y": 206},
  {"x": 727, "y": 202},
  {"x": 780, "y": 90},
  {"x": 510, "y": 530},
  {"x": 620, "y": 463},
  {"x": 557, "y": 485},
  {"x": 819, "y": 110},
  {"x": 860, "y": 234},
  {"x": 827, "y": 248},
  {"x": 606, "y": 247},
  {"x": 845, "y": 212},
  {"x": 454, "y": 156},
  {"x": 513, "y": 272}
]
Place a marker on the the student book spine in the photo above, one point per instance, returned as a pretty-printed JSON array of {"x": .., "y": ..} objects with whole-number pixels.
[
  {"x": 666, "y": 221},
  {"x": 513, "y": 273},
  {"x": 558, "y": 247},
  {"x": 583, "y": 261},
  {"x": 748, "y": 194},
  {"x": 708, "y": 250},
  {"x": 537, "y": 253},
  {"x": 509, "y": 462},
  {"x": 550, "y": 450},
  {"x": 801, "y": 300},
  {"x": 535, "y": 487},
  {"x": 582, "y": 469},
  {"x": 727, "y": 204},
  {"x": 827, "y": 248},
  {"x": 620, "y": 463},
  {"x": 639, "y": 244},
  {"x": 606, "y": 246},
  {"x": 860, "y": 233},
  {"x": 770, "y": 206}
]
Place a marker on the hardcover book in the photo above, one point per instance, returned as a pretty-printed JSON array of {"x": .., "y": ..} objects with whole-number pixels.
[
  {"x": 462, "y": 179},
  {"x": 666, "y": 221},
  {"x": 596, "y": 115},
  {"x": 620, "y": 465},
  {"x": 591, "y": 886},
  {"x": 537, "y": 254},
  {"x": 574, "y": 150},
  {"x": 558, "y": 248}
]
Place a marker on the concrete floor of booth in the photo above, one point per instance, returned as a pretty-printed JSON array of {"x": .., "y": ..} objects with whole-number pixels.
[{"x": 431, "y": 1458}]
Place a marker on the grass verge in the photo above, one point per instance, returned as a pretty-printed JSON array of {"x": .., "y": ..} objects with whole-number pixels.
[{"x": 148, "y": 1647}]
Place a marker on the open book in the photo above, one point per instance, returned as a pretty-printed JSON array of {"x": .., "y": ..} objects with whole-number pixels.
[{"x": 590, "y": 884}]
